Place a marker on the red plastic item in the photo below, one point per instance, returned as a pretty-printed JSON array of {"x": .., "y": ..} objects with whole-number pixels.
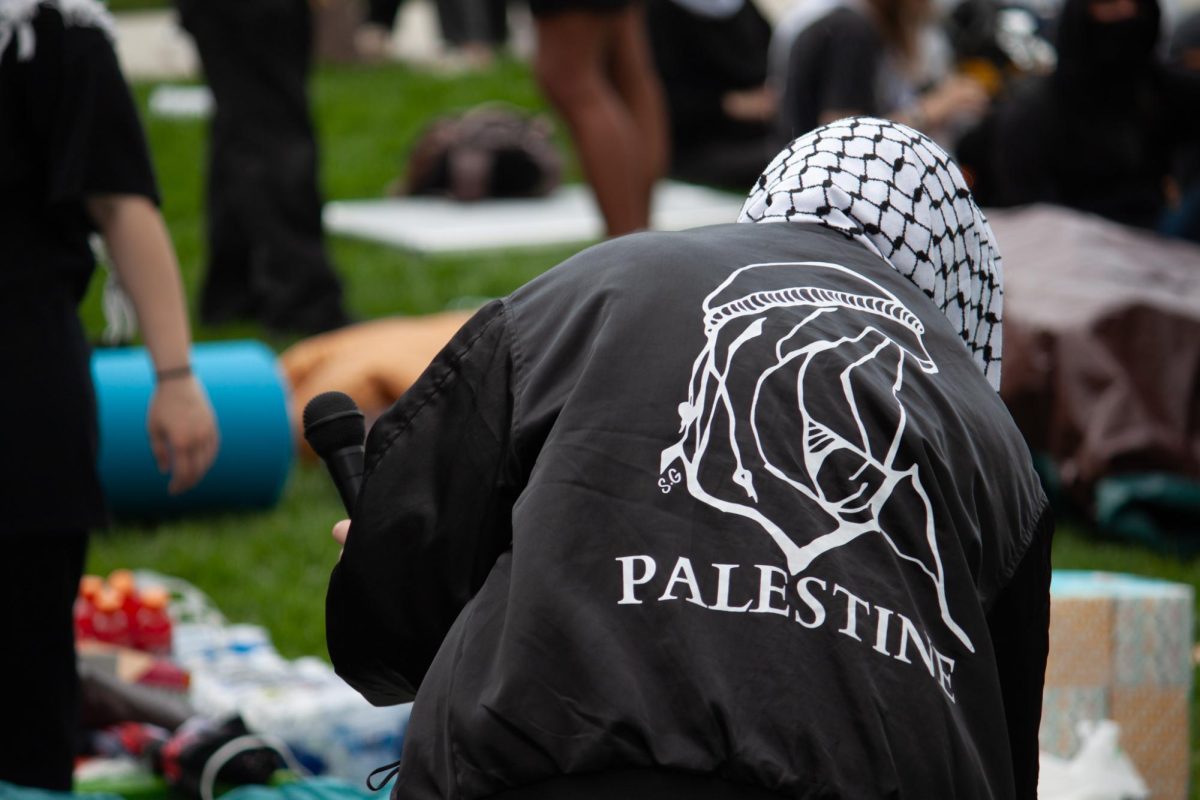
[
  {"x": 109, "y": 622},
  {"x": 162, "y": 674},
  {"x": 151, "y": 624},
  {"x": 122, "y": 581},
  {"x": 89, "y": 587}
]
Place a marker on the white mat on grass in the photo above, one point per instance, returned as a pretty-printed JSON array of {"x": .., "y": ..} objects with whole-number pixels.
[
  {"x": 569, "y": 215},
  {"x": 181, "y": 102}
]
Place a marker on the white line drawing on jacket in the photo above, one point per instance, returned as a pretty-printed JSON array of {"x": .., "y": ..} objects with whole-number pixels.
[{"x": 734, "y": 319}]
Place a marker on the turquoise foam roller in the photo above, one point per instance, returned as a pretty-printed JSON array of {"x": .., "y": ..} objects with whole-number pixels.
[{"x": 250, "y": 399}]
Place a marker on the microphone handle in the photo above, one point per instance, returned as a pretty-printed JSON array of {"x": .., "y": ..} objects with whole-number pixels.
[{"x": 346, "y": 469}]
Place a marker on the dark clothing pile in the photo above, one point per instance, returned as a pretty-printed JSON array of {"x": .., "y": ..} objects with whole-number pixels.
[{"x": 728, "y": 513}]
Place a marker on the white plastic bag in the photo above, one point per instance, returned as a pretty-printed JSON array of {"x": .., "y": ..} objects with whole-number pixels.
[{"x": 1100, "y": 770}]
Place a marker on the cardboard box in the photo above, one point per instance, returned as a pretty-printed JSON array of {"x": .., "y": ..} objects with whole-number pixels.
[{"x": 1121, "y": 649}]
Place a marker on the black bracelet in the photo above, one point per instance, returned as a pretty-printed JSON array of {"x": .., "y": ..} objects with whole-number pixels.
[{"x": 172, "y": 373}]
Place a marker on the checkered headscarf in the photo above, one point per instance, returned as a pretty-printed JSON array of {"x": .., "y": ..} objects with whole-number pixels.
[
  {"x": 899, "y": 194},
  {"x": 16, "y": 21}
]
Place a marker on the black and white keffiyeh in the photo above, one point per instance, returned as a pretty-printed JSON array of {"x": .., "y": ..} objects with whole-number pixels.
[
  {"x": 898, "y": 193},
  {"x": 16, "y": 21}
]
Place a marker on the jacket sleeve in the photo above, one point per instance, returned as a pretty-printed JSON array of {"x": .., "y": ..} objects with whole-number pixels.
[
  {"x": 432, "y": 517},
  {"x": 1019, "y": 622}
]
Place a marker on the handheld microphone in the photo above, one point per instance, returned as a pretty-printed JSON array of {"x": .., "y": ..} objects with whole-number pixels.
[{"x": 335, "y": 430}]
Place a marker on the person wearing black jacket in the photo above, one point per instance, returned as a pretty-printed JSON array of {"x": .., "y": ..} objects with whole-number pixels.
[{"x": 734, "y": 512}]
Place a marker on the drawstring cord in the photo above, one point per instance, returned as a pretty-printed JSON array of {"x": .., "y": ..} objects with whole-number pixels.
[{"x": 392, "y": 770}]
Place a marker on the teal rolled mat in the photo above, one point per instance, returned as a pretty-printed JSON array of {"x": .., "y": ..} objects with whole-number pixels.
[
  {"x": 1158, "y": 509},
  {"x": 249, "y": 397}
]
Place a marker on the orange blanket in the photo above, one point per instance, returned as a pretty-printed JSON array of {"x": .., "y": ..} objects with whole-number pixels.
[{"x": 373, "y": 362}]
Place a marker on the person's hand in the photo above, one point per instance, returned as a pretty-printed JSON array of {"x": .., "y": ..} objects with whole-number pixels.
[
  {"x": 340, "y": 531},
  {"x": 183, "y": 432},
  {"x": 958, "y": 97},
  {"x": 750, "y": 105}
]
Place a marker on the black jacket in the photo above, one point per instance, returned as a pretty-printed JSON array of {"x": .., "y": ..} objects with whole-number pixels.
[{"x": 716, "y": 513}]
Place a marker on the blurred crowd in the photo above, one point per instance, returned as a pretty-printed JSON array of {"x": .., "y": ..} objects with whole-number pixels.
[{"x": 1091, "y": 104}]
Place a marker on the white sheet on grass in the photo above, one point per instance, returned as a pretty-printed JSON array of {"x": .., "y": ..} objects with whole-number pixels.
[
  {"x": 1100, "y": 770},
  {"x": 569, "y": 215},
  {"x": 181, "y": 102}
]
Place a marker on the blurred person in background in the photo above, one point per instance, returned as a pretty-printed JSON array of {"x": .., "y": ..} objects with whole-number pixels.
[
  {"x": 73, "y": 161},
  {"x": 838, "y": 58},
  {"x": 1101, "y": 133},
  {"x": 712, "y": 58},
  {"x": 594, "y": 65},
  {"x": 473, "y": 29},
  {"x": 267, "y": 260},
  {"x": 1183, "y": 218}
]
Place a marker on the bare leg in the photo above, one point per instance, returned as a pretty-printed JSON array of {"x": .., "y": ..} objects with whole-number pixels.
[
  {"x": 636, "y": 80},
  {"x": 571, "y": 61}
]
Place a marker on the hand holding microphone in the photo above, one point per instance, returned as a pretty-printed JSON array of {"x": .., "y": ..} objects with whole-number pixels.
[{"x": 335, "y": 430}]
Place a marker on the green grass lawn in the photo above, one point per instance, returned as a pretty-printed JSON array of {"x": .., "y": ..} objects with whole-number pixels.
[
  {"x": 271, "y": 567},
  {"x": 118, "y": 6}
]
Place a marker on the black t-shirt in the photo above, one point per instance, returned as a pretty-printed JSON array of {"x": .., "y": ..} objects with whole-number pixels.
[
  {"x": 833, "y": 65},
  {"x": 733, "y": 502},
  {"x": 702, "y": 58},
  {"x": 68, "y": 130}
]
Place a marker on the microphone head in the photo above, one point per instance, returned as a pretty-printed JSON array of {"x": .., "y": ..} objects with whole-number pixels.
[{"x": 332, "y": 422}]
